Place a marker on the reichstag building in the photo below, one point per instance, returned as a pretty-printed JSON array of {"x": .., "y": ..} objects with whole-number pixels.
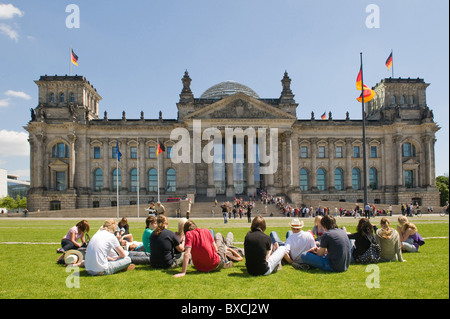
[{"x": 73, "y": 148}]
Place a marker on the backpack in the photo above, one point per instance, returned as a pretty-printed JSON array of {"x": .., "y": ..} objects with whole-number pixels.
[{"x": 372, "y": 254}]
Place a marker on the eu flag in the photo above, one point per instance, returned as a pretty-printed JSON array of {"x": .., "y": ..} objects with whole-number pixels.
[{"x": 118, "y": 151}]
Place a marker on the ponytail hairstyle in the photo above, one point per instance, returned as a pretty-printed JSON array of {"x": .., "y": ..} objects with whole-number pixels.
[
  {"x": 385, "y": 228},
  {"x": 161, "y": 223}
]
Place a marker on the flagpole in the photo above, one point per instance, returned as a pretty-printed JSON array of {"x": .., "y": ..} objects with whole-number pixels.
[
  {"x": 364, "y": 135},
  {"x": 138, "y": 173},
  {"x": 117, "y": 180},
  {"x": 70, "y": 62},
  {"x": 157, "y": 162}
]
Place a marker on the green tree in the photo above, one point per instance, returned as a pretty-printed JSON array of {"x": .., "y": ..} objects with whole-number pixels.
[
  {"x": 8, "y": 203},
  {"x": 442, "y": 185}
]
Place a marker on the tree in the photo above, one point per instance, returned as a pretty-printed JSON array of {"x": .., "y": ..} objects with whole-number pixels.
[
  {"x": 442, "y": 184},
  {"x": 8, "y": 203}
]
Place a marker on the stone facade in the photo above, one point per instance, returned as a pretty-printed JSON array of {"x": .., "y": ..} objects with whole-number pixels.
[{"x": 73, "y": 158}]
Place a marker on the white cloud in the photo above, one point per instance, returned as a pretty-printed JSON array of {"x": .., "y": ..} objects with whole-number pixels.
[
  {"x": 8, "y": 11},
  {"x": 14, "y": 143},
  {"x": 9, "y": 31},
  {"x": 4, "y": 102},
  {"x": 18, "y": 94}
]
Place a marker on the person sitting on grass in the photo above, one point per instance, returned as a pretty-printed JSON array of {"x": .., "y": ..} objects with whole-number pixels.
[
  {"x": 389, "y": 241},
  {"x": 297, "y": 242},
  {"x": 166, "y": 250},
  {"x": 362, "y": 238},
  {"x": 207, "y": 253},
  {"x": 261, "y": 257},
  {"x": 334, "y": 254},
  {"x": 76, "y": 233},
  {"x": 411, "y": 240},
  {"x": 98, "y": 260},
  {"x": 150, "y": 225}
]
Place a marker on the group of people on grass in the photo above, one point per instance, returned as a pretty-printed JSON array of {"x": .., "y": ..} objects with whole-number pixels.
[{"x": 326, "y": 246}]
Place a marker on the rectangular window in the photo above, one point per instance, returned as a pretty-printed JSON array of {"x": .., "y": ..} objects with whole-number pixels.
[
  {"x": 114, "y": 152},
  {"x": 339, "y": 153},
  {"x": 97, "y": 152},
  {"x": 55, "y": 205},
  {"x": 304, "y": 151},
  {"x": 373, "y": 152},
  {"x": 409, "y": 178},
  {"x": 169, "y": 152},
  {"x": 321, "y": 152},
  {"x": 60, "y": 183},
  {"x": 133, "y": 152},
  {"x": 152, "y": 152},
  {"x": 356, "y": 152}
]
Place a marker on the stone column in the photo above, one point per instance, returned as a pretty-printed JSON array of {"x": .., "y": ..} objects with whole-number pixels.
[
  {"x": 106, "y": 169},
  {"x": 72, "y": 138},
  {"x": 398, "y": 151},
  {"x": 313, "y": 177}
]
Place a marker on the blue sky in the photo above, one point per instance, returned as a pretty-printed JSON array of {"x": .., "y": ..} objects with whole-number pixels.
[{"x": 135, "y": 54}]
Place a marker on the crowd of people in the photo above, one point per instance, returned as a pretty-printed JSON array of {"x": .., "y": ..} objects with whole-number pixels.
[{"x": 326, "y": 246}]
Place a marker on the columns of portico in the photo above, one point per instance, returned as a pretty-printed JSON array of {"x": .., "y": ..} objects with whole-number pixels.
[{"x": 106, "y": 167}]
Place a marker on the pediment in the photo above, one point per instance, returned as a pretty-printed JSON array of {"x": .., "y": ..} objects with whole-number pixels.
[
  {"x": 58, "y": 165},
  {"x": 240, "y": 106},
  {"x": 410, "y": 163}
]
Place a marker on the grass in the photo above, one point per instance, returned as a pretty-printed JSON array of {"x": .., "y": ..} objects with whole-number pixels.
[{"x": 28, "y": 255}]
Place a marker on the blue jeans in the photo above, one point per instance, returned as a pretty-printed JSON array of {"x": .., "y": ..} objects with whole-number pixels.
[
  {"x": 276, "y": 239},
  {"x": 316, "y": 261}
]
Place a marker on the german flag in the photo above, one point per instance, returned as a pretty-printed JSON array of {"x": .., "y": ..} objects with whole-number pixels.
[
  {"x": 323, "y": 116},
  {"x": 74, "y": 58},
  {"x": 160, "y": 148},
  {"x": 359, "y": 80},
  {"x": 368, "y": 94},
  {"x": 389, "y": 61}
]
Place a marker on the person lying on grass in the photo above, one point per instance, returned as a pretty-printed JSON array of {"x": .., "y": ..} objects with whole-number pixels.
[{"x": 208, "y": 254}]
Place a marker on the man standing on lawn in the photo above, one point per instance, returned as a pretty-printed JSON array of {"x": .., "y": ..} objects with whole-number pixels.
[{"x": 207, "y": 254}]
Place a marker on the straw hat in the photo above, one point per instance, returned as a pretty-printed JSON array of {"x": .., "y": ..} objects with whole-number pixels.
[
  {"x": 296, "y": 223},
  {"x": 73, "y": 257}
]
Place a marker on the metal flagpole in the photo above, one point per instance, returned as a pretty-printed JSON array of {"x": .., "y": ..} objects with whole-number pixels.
[
  {"x": 157, "y": 162},
  {"x": 138, "y": 184},
  {"x": 117, "y": 180},
  {"x": 364, "y": 136},
  {"x": 70, "y": 62}
]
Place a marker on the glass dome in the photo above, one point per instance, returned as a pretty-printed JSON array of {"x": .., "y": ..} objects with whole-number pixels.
[{"x": 227, "y": 88}]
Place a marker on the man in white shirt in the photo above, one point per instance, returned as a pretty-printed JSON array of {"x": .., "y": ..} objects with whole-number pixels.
[
  {"x": 297, "y": 242},
  {"x": 99, "y": 260}
]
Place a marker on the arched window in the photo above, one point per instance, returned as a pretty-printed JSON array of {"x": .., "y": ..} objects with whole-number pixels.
[
  {"x": 134, "y": 180},
  {"x": 356, "y": 178},
  {"x": 411, "y": 99},
  {"x": 72, "y": 98},
  {"x": 321, "y": 179},
  {"x": 153, "y": 180},
  {"x": 403, "y": 99},
  {"x": 98, "y": 180},
  {"x": 304, "y": 179},
  {"x": 60, "y": 150},
  {"x": 394, "y": 100},
  {"x": 52, "y": 97},
  {"x": 116, "y": 178},
  {"x": 61, "y": 97},
  {"x": 339, "y": 179},
  {"x": 171, "y": 179},
  {"x": 373, "y": 178},
  {"x": 408, "y": 150}
]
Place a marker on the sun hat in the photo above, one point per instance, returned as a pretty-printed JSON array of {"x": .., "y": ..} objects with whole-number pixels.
[
  {"x": 73, "y": 257},
  {"x": 296, "y": 223}
]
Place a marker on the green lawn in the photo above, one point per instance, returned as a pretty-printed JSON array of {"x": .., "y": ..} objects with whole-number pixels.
[{"x": 28, "y": 269}]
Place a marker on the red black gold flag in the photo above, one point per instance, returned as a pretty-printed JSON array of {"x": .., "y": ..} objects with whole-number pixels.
[
  {"x": 389, "y": 61},
  {"x": 74, "y": 58},
  {"x": 160, "y": 148}
]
